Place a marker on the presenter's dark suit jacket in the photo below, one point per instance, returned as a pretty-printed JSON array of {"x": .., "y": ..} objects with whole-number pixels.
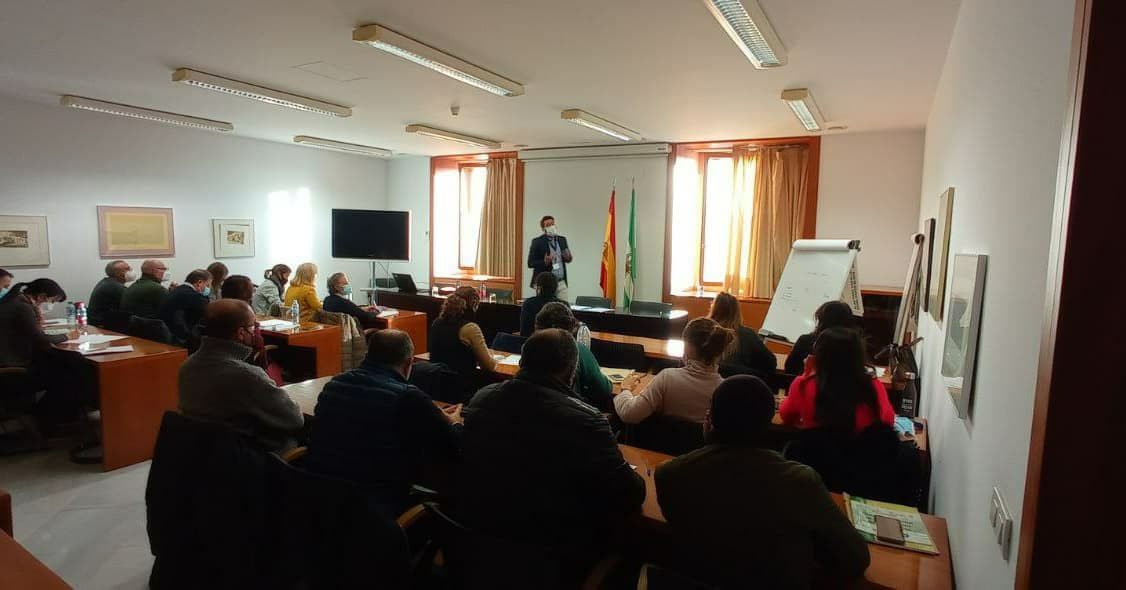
[{"x": 537, "y": 251}]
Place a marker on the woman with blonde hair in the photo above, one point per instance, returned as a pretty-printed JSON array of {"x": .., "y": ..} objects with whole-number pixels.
[
  {"x": 685, "y": 392},
  {"x": 303, "y": 290},
  {"x": 747, "y": 350}
]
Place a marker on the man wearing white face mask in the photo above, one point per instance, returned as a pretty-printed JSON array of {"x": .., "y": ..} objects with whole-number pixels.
[
  {"x": 106, "y": 296},
  {"x": 549, "y": 253}
]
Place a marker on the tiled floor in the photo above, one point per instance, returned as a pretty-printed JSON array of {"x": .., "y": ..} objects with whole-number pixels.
[{"x": 86, "y": 525}]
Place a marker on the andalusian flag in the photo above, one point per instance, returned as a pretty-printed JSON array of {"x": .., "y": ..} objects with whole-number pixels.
[
  {"x": 608, "y": 278},
  {"x": 631, "y": 251}
]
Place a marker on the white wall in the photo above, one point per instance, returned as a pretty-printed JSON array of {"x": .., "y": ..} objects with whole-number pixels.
[
  {"x": 577, "y": 193},
  {"x": 868, "y": 191},
  {"x": 62, "y": 163},
  {"x": 994, "y": 135},
  {"x": 408, "y": 189}
]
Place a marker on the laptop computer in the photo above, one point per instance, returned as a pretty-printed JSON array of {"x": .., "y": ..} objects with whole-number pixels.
[{"x": 404, "y": 282}]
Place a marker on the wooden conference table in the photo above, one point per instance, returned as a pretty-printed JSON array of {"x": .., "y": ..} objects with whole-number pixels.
[
  {"x": 320, "y": 340},
  {"x": 890, "y": 567},
  {"x": 134, "y": 390},
  {"x": 414, "y": 323}
]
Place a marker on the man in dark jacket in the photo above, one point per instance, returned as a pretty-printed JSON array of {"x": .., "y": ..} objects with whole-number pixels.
[
  {"x": 374, "y": 428},
  {"x": 541, "y": 466},
  {"x": 744, "y": 515},
  {"x": 144, "y": 296},
  {"x": 106, "y": 296},
  {"x": 549, "y": 253},
  {"x": 185, "y": 305}
]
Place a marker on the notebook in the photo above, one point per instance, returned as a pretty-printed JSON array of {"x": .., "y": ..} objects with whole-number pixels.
[{"x": 863, "y": 514}]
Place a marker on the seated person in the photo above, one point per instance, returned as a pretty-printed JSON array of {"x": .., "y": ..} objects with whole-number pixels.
[
  {"x": 591, "y": 385},
  {"x": 65, "y": 376},
  {"x": 303, "y": 290},
  {"x": 5, "y": 282},
  {"x": 542, "y": 467},
  {"x": 269, "y": 293},
  {"x": 339, "y": 301},
  {"x": 546, "y": 285},
  {"x": 237, "y": 287},
  {"x": 741, "y": 512},
  {"x": 684, "y": 392},
  {"x": 217, "y": 384},
  {"x": 455, "y": 339},
  {"x": 831, "y": 314},
  {"x": 376, "y": 429},
  {"x": 219, "y": 273},
  {"x": 184, "y": 306},
  {"x": 106, "y": 296},
  {"x": 747, "y": 350},
  {"x": 836, "y": 392},
  {"x": 240, "y": 287},
  {"x": 144, "y": 296}
]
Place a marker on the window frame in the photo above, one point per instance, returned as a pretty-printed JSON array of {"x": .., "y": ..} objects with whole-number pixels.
[
  {"x": 702, "y": 160},
  {"x": 460, "y": 167}
]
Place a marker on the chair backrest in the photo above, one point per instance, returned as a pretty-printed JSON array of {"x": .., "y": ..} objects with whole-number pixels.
[
  {"x": 439, "y": 381},
  {"x": 872, "y": 464},
  {"x": 650, "y": 308},
  {"x": 116, "y": 320},
  {"x": 149, "y": 328},
  {"x": 667, "y": 434},
  {"x": 590, "y": 301},
  {"x": 354, "y": 346},
  {"x": 510, "y": 343},
  {"x": 618, "y": 355}
]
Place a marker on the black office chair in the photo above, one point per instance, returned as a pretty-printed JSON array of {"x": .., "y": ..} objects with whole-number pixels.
[
  {"x": 149, "y": 329},
  {"x": 440, "y": 382},
  {"x": 116, "y": 320},
  {"x": 650, "y": 308},
  {"x": 618, "y": 355},
  {"x": 873, "y": 464},
  {"x": 666, "y": 434},
  {"x": 510, "y": 343},
  {"x": 589, "y": 301}
]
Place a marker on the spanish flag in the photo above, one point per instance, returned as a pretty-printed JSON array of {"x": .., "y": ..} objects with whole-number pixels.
[{"x": 608, "y": 277}]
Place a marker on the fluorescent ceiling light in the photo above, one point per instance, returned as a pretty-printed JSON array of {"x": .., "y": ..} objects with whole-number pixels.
[
  {"x": 260, "y": 93},
  {"x": 342, "y": 146},
  {"x": 746, "y": 24},
  {"x": 805, "y": 109},
  {"x": 385, "y": 39},
  {"x": 112, "y": 108},
  {"x": 581, "y": 117},
  {"x": 452, "y": 136}
]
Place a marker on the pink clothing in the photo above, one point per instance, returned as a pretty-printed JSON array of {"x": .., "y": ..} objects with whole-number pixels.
[{"x": 685, "y": 393}]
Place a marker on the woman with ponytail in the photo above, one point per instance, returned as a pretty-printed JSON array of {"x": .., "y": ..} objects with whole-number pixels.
[
  {"x": 684, "y": 392},
  {"x": 269, "y": 293}
]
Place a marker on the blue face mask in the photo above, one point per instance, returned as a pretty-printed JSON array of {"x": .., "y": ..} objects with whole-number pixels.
[
  {"x": 206, "y": 292},
  {"x": 4, "y": 291},
  {"x": 347, "y": 290}
]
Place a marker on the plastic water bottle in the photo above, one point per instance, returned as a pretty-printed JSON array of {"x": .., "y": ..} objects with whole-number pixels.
[
  {"x": 71, "y": 315},
  {"x": 583, "y": 337},
  {"x": 81, "y": 316},
  {"x": 295, "y": 312}
]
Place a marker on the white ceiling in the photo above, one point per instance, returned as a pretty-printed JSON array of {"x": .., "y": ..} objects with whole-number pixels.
[{"x": 663, "y": 67}]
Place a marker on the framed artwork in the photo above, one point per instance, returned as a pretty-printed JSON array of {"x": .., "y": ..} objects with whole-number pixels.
[
  {"x": 928, "y": 252},
  {"x": 135, "y": 232},
  {"x": 959, "y": 353},
  {"x": 939, "y": 254},
  {"x": 23, "y": 241},
  {"x": 234, "y": 238}
]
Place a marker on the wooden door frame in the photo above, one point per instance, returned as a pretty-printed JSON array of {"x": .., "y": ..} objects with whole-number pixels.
[{"x": 1073, "y": 509}]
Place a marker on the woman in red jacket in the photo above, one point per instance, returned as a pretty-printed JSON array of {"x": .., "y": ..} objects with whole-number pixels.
[{"x": 836, "y": 391}]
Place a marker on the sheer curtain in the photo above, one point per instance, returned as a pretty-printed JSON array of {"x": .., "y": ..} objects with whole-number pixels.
[
  {"x": 767, "y": 214},
  {"x": 496, "y": 246}
]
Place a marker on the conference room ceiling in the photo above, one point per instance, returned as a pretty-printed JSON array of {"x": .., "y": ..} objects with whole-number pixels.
[{"x": 662, "y": 67}]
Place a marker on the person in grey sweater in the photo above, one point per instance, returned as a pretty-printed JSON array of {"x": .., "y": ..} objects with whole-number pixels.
[{"x": 218, "y": 384}]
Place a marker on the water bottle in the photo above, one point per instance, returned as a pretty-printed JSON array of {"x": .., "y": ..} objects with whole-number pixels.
[
  {"x": 71, "y": 316},
  {"x": 483, "y": 292},
  {"x": 80, "y": 315},
  {"x": 583, "y": 337},
  {"x": 295, "y": 312}
]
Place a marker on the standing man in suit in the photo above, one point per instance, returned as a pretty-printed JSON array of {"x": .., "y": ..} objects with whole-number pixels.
[{"x": 549, "y": 253}]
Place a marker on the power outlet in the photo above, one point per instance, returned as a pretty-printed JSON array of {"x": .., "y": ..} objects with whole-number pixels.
[{"x": 1002, "y": 523}]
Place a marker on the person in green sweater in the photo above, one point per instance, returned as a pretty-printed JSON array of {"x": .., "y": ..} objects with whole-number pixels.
[
  {"x": 745, "y": 516},
  {"x": 144, "y": 296},
  {"x": 591, "y": 385}
]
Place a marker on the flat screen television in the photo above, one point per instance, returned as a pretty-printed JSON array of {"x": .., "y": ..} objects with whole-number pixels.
[{"x": 371, "y": 235}]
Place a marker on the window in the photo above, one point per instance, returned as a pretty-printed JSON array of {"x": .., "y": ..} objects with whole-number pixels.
[
  {"x": 703, "y": 185},
  {"x": 715, "y": 220},
  {"x": 471, "y": 201}
]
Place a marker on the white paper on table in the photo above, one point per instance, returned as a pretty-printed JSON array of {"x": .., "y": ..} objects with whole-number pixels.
[
  {"x": 580, "y": 308},
  {"x": 387, "y": 313},
  {"x": 598, "y": 309},
  {"x": 95, "y": 339},
  {"x": 512, "y": 359},
  {"x": 276, "y": 324},
  {"x": 616, "y": 375},
  {"x": 880, "y": 372},
  {"x": 104, "y": 350},
  {"x": 55, "y": 322},
  {"x": 56, "y": 331}
]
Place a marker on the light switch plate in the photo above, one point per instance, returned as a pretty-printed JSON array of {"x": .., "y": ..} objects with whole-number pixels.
[{"x": 1002, "y": 522}]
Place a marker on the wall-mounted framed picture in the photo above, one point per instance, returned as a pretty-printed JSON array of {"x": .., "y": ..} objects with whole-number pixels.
[
  {"x": 135, "y": 232},
  {"x": 928, "y": 252},
  {"x": 959, "y": 353},
  {"x": 939, "y": 254},
  {"x": 23, "y": 241},
  {"x": 234, "y": 238}
]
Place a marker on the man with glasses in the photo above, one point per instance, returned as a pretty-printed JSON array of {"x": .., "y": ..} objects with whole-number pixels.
[
  {"x": 144, "y": 296},
  {"x": 219, "y": 384}
]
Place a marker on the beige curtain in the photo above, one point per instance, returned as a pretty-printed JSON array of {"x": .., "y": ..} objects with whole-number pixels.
[
  {"x": 496, "y": 246},
  {"x": 766, "y": 216}
]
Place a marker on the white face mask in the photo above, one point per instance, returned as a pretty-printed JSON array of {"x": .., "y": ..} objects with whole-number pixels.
[
  {"x": 167, "y": 276},
  {"x": 47, "y": 306},
  {"x": 130, "y": 276},
  {"x": 550, "y": 230}
]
